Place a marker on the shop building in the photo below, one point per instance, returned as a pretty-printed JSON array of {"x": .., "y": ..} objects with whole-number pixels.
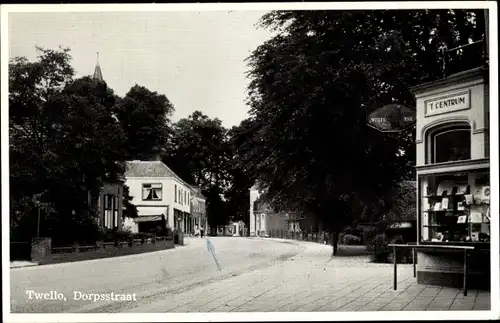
[
  {"x": 162, "y": 198},
  {"x": 453, "y": 178}
]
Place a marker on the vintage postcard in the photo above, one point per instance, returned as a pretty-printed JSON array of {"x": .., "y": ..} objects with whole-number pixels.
[{"x": 250, "y": 161}]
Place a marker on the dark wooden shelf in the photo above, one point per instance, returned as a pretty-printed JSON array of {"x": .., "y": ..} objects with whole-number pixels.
[
  {"x": 441, "y": 196},
  {"x": 447, "y": 210},
  {"x": 477, "y": 244}
]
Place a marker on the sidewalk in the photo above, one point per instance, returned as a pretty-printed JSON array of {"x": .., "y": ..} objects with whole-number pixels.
[
  {"x": 313, "y": 281},
  {"x": 188, "y": 242}
]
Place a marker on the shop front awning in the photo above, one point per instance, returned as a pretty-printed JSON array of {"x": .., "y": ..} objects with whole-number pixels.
[{"x": 149, "y": 218}]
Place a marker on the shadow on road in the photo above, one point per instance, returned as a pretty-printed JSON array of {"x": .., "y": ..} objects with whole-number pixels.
[{"x": 351, "y": 251}]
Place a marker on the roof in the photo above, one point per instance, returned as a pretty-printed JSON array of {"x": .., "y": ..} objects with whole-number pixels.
[
  {"x": 139, "y": 168},
  {"x": 465, "y": 76},
  {"x": 197, "y": 191}
]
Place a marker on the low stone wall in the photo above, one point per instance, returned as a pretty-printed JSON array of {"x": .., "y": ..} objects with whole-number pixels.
[
  {"x": 104, "y": 250},
  {"x": 40, "y": 248}
]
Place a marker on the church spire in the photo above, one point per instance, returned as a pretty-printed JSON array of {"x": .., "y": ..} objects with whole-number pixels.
[{"x": 97, "y": 71}]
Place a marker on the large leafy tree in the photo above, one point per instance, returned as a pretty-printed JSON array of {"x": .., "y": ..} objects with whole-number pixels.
[
  {"x": 312, "y": 85},
  {"x": 241, "y": 173},
  {"x": 64, "y": 142},
  {"x": 198, "y": 151},
  {"x": 145, "y": 118}
]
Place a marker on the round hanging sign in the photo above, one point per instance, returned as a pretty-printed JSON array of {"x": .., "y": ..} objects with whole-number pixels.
[{"x": 392, "y": 118}]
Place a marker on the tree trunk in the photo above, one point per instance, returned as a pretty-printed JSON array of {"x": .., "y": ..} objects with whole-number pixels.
[{"x": 335, "y": 242}]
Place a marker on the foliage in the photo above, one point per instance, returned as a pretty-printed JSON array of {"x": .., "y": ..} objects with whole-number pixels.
[
  {"x": 314, "y": 82},
  {"x": 379, "y": 248},
  {"x": 144, "y": 117},
  {"x": 354, "y": 230},
  {"x": 369, "y": 234},
  {"x": 242, "y": 177},
  {"x": 404, "y": 201},
  {"x": 199, "y": 153},
  {"x": 129, "y": 209},
  {"x": 350, "y": 239},
  {"x": 64, "y": 142}
]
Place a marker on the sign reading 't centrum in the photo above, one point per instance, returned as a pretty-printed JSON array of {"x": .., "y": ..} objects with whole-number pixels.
[{"x": 450, "y": 103}]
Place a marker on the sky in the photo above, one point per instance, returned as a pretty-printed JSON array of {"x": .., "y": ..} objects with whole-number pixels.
[{"x": 195, "y": 58}]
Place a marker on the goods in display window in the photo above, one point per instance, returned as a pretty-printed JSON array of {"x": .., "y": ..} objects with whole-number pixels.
[{"x": 456, "y": 208}]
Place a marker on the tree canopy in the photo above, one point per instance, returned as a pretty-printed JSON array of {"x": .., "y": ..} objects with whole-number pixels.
[
  {"x": 312, "y": 85},
  {"x": 198, "y": 152},
  {"x": 64, "y": 142},
  {"x": 144, "y": 117}
]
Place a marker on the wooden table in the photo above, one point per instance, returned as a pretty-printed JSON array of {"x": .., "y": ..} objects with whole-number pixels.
[{"x": 464, "y": 249}]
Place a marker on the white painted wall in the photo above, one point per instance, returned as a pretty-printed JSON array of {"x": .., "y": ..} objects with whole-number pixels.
[
  {"x": 475, "y": 116},
  {"x": 183, "y": 205},
  {"x": 167, "y": 203},
  {"x": 254, "y": 195}
]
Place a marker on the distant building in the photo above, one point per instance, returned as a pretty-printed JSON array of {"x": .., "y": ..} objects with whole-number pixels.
[
  {"x": 264, "y": 220},
  {"x": 198, "y": 209}
]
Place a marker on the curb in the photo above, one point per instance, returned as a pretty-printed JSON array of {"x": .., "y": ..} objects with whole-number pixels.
[
  {"x": 13, "y": 266},
  {"x": 70, "y": 263}
]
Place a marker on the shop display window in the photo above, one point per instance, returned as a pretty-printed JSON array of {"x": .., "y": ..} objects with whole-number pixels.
[{"x": 455, "y": 207}]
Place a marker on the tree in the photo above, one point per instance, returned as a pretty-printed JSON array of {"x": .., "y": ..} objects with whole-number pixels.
[
  {"x": 311, "y": 87},
  {"x": 198, "y": 152},
  {"x": 34, "y": 89},
  {"x": 241, "y": 174},
  {"x": 64, "y": 142},
  {"x": 144, "y": 117}
]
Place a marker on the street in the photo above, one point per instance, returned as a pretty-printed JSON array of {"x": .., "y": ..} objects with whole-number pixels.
[
  {"x": 258, "y": 275},
  {"x": 149, "y": 275}
]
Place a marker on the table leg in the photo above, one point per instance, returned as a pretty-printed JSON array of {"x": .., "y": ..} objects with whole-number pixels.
[
  {"x": 394, "y": 256},
  {"x": 465, "y": 272},
  {"x": 414, "y": 262}
]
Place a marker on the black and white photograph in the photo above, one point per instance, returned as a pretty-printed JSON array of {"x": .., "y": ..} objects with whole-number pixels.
[{"x": 250, "y": 161}]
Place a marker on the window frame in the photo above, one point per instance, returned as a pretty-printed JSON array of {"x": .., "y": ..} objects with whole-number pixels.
[
  {"x": 445, "y": 222},
  {"x": 160, "y": 195},
  {"x": 434, "y": 133}
]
